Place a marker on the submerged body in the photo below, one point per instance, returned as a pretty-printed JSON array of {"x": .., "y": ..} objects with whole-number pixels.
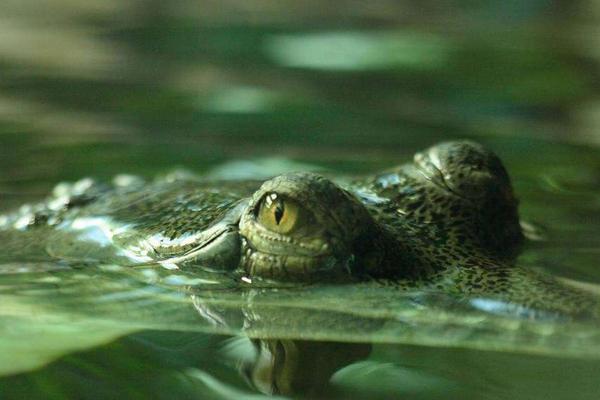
[{"x": 446, "y": 222}]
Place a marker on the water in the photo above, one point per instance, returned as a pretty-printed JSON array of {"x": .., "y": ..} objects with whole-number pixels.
[{"x": 245, "y": 89}]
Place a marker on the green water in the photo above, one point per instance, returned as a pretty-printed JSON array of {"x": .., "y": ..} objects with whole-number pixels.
[{"x": 250, "y": 90}]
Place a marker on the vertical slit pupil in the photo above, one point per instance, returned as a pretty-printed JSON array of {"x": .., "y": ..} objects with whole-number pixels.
[{"x": 279, "y": 209}]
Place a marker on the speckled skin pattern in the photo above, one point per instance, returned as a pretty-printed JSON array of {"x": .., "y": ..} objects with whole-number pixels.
[
  {"x": 446, "y": 221},
  {"x": 454, "y": 215}
]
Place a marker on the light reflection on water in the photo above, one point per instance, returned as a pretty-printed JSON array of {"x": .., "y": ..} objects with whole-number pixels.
[
  {"x": 359, "y": 51},
  {"x": 250, "y": 89}
]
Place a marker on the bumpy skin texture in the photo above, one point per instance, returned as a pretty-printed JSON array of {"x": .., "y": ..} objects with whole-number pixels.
[
  {"x": 455, "y": 217},
  {"x": 447, "y": 221}
]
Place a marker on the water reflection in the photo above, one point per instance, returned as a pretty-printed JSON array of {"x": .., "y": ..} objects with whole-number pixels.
[
  {"x": 359, "y": 51},
  {"x": 167, "y": 365},
  {"x": 296, "y": 367}
]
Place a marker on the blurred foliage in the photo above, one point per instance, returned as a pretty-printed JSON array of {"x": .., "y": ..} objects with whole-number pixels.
[{"x": 104, "y": 88}]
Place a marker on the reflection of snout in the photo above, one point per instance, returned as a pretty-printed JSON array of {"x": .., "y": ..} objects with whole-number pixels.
[{"x": 297, "y": 367}]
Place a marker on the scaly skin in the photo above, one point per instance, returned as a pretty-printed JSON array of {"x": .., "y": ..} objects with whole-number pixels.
[{"x": 447, "y": 221}]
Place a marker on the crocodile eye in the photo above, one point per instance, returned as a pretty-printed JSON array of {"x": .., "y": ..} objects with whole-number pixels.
[{"x": 280, "y": 214}]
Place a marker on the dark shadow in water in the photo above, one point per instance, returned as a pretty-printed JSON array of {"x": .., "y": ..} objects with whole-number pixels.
[
  {"x": 298, "y": 367},
  {"x": 158, "y": 364}
]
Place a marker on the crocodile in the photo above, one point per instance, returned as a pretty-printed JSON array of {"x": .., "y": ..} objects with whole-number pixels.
[{"x": 446, "y": 221}]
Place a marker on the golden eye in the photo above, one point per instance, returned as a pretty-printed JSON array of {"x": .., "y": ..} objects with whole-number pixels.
[{"x": 279, "y": 214}]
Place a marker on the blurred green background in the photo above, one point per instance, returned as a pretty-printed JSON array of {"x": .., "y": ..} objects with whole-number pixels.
[{"x": 97, "y": 88}]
